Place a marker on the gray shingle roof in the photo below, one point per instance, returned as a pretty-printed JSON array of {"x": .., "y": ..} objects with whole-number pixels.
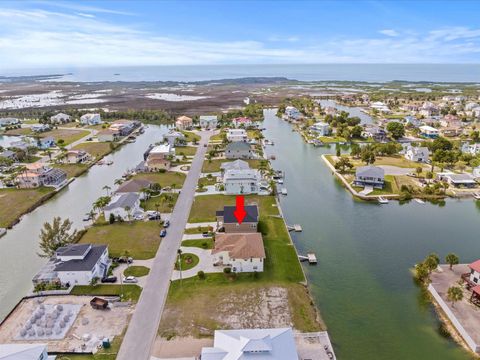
[
  {"x": 370, "y": 170},
  {"x": 124, "y": 200},
  {"x": 229, "y": 217},
  {"x": 238, "y": 146},
  {"x": 72, "y": 250},
  {"x": 86, "y": 264}
]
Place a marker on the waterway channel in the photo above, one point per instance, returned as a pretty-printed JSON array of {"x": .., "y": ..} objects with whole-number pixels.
[
  {"x": 18, "y": 249},
  {"x": 362, "y": 283}
]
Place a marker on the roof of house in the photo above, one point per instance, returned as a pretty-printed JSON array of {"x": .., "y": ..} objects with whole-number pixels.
[
  {"x": 21, "y": 351},
  {"x": 241, "y": 174},
  {"x": 370, "y": 170},
  {"x": 86, "y": 264},
  {"x": 238, "y": 146},
  {"x": 242, "y": 120},
  {"x": 475, "y": 265},
  {"x": 208, "y": 117},
  {"x": 240, "y": 245},
  {"x": 261, "y": 344},
  {"x": 461, "y": 178},
  {"x": 229, "y": 217},
  {"x": 184, "y": 118},
  {"x": 175, "y": 134},
  {"x": 419, "y": 150},
  {"x": 134, "y": 185},
  {"x": 108, "y": 132},
  {"x": 235, "y": 165},
  {"x": 161, "y": 149},
  {"x": 73, "y": 249},
  {"x": 7, "y": 154},
  {"x": 122, "y": 201}
]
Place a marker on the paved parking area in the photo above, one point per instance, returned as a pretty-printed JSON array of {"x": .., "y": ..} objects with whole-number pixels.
[{"x": 205, "y": 264}]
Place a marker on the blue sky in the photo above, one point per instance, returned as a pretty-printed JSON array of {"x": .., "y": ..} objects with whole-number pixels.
[{"x": 50, "y": 34}]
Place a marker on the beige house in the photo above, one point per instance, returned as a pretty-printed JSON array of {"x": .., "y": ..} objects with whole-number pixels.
[
  {"x": 108, "y": 135},
  {"x": 244, "y": 252},
  {"x": 184, "y": 122},
  {"x": 226, "y": 219},
  {"x": 157, "y": 162},
  {"x": 77, "y": 156}
]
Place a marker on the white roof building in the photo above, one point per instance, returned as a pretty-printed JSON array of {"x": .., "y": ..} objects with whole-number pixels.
[
  {"x": 90, "y": 119},
  {"x": 245, "y": 181},
  {"x": 163, "y": 149},
  {"x": 24, "y": 352},
  {"x": 252, "y": 344},
  {"x": 60, "y": 118},
  {"x": 235, "y": 135}
]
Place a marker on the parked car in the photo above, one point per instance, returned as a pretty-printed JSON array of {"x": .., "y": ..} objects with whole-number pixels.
[
  {"x": 206, "y": 234},
  {"x": 109, "y": 279},
  {"x": 130, "y": 280},
  {"x": 123, "y": 260},
  {"x": 139, "y": 217},
  {"x": 154, "y": 217},
  {"x": 163, "y": 233},
  {"x": 166, "y": 224}
]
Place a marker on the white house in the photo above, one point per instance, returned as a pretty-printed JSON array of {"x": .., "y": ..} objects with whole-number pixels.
[
  {"x": 236, "y": 135},
  {"x": 9, "y": 121},
  {"x": 60, "y": 118},
  {"x": 208, "y": 121},
  {"x": 473, "y": 149},
  {"x": 417, "y": 154},
  {"x": 164, "y": 150},
  {"x": 75, "y": 264},
  {"x": 40, "y": 127},
  {"x": 458, "y": 180},
  {"x": 261, "y": 344},
  {"x": 123, "y": 206},
  {"x": 20, "y": 351},
  {"x": 243, "y": 252},
  {"x": 428, "y": 131},
  {"x": 90, "y": 119},
  {"x": 77, "y": 156},
  {"x": 292, "y": 113},
  {"x": 242, "y": 122},
  {"x": 245, "y": 181},
  {"x": 380, "y": 106},
  {"x": 321, "y": 128}
]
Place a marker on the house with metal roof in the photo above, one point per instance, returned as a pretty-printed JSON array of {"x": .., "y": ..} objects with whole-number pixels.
[
  {"x": 241, "y": 181},
  {"x": 458, "y": 180},
  {"x": 123, "y": 206},
  {"x": 370, "y": 175},
  {"x": 234, "y": 165},
  {"x": 253, "y": 344}
]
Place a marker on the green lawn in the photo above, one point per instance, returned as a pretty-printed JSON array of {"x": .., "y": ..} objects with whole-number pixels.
[
  {"x": 390, "y": 187},
  {"x": 137, "y": 271},
  {"x": 16, "y": 202},
  {"x": 190, "y": 136},
  {"x": 168, "y": 178},
  {"x": 205, "y": 181},
  {"x": 214, "y": 165},
  {"x": 398, "y": 161},
  {"x": 165, "y": 202},
  {"x": 331, "y": 139},
  {"x": 200, "y": 243},
  {"x": 141, "y": 239},
  {"x": 96, "y": 149},
  {"x": 188, "y": 261},
  {"x": 72, "y": 170},
  {"x": 67, "y": 135},
  {"x": 185, "y": 150},
  {"x": 131, "y": 292},
  {"x": 198, "y": 230}
]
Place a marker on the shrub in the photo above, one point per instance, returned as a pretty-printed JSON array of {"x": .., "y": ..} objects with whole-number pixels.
[
  {"x": 201, "y": 275},
  {"x": 111, "y": 220},
  {"x": 204, "y": 245},
  {"x": 227, "y": 270}
]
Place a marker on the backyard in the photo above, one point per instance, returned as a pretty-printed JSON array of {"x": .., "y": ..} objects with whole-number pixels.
[{"x": 72, "y": 170}]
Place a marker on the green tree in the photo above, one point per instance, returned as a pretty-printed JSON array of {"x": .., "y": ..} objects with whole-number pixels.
[
  {"x": 454, "y": 294},
  {"x": 54, "y": 235},
  {"x": 396, "y": 129},
  {"x": 452, "y": 259},
  {"x": 431, "y": 262},
  {"x": 368, "y": 156},
  {"x": 421, "y": 272},
  {"x": 342, "y": 164},
  {"x": 355, "y": 150}
]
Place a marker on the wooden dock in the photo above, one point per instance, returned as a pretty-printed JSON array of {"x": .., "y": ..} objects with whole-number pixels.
[
  {"x": 311, "y": 258},
  {"x": 295, "y": 227}
]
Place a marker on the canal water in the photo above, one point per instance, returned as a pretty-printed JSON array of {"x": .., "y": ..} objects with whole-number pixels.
[
  {"x": 18, "y": 249},
  {"x": 362, "y": 283},
  {"x": 353, "y": 111}
]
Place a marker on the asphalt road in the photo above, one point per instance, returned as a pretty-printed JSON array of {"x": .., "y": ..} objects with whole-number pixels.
[{"x": 142, "y": 330}]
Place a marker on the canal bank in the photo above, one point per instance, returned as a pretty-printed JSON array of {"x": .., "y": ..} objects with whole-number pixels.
[
  {"x": 18, "y": 258},
  {"x": 362, "y": 283}
]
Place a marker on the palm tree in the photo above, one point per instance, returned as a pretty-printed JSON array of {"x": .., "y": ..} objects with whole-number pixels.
[
  {"x": 454, "y": 294},
  {"x": 451, "y": 259},
  {"x": 118, "y": 182},
  {"x": 128, "y": 209},
  {"x": 179, "y": 259},
  {"x": 107, "y": 188}
]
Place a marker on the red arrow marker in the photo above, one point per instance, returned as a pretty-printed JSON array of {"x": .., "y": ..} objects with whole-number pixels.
[{"x": 240, "y": 212}]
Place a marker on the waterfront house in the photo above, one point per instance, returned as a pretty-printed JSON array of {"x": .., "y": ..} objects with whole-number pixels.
[
  {"x": 458, "y": 180},
  {"x": 134, "y": 186},
  {"x": 46, "y": 142},
  {"x": 226, "y": 219},
  {"x": 243, "y": 252},
  {"x": 330, "y": 110},
  {"x": 39, "y": 174},
  {"x": 451, "y": 131},
  {"x": 429, "y": 132},
  {"x": 244, "y": 181},
  {"x": 473, "y": 149},
  {"x": 417, "y": 154},
  {"x": 381, "y": 107},
  {"x": 8, "y": 154},
  {"x": 123, "y": 206},
  {"x": 38, "y": 128},
  {"x": 292, "y": 113},
  {"x": 237, "y": 135},
  {"x": 125, "y": 127},
  {"x": 164, "y": 150},
  {"x": 321, "y": 128},
  {"x": 476, "y": 172},
  {"x": 374, "y": 132},
  {"x": 60, "y": 118},
  {"x": 77, "y": 156},
  {"x": 157, "y": 162},
  {"x": 174, "y": 137},
  {"x": 9, "y": 121},
  {"x": 90, "y": 119},
  {"x": 370, "y": 175},
  {"x": 242, "y": 122},
  {"x": 474, "y": 275},
  {"x": 184, "y": 122},
  {"x": 108, "y": 135},
  {"x": 261, "y": 344},
  {"x": 75, "y": 264},
  {"x": 234, "y": 165},
  {"x": 239, "y": 150},
  {"x": 20, "y": 144},
  {"x": 21, "y": 351},
  {"x": 208, "y": 121}
]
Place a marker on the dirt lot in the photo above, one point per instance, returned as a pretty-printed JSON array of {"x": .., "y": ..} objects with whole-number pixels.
[{"x": 101, "y": 323}]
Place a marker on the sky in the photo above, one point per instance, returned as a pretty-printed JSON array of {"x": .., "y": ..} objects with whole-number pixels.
[{"x": 52, "y": 34}]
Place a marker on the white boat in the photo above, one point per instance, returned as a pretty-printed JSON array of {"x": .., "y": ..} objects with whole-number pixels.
[
  {"x": 420, "y": 201},
  {"x": 382, "y": 200},
  {"x": 109, "y": 162},
  {"x": 476, "y": 196},
  {"x": 284, "y": 191},
  {"x": 280, "y": 181}
]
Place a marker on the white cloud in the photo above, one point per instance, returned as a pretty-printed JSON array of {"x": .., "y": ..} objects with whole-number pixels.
[
  {"x": 389, "y": 32},
  {"x": 40, "y": 38}
]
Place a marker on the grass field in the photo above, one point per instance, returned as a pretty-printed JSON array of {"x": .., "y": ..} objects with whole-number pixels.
[
  {"x": 185, "y": 150},
  {"x": 72, "y": 170},
  {"x": 188, "y": 261},
  {"x": 165, "y": 179},
  {"x": 67, "y": 135},
  {"x": 15, "y": 202},
  {"x": 137, "y": 271},
  {"x": 141, "y": 239},
  {"x": 96, "y": 149},
  {"x": 214, "y": 165},
  {"x": 166, "y": 202},
  {"x": 190, "y": 136},
  {"x": 131, "y": 292},
  {"x": 200, "y": 243},
  {"x": 399, "y": 161},
  {"x": 198, "y": 230}
]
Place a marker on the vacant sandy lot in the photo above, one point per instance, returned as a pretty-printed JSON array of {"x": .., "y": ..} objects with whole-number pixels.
[{"x": 96, "y": 323}]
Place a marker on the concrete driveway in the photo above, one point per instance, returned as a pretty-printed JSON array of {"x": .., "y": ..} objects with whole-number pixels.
[
  {"x": 142, "y": 330},
  {"x": 118, "y": 271},
  {"x": 205, "y": 264}
]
